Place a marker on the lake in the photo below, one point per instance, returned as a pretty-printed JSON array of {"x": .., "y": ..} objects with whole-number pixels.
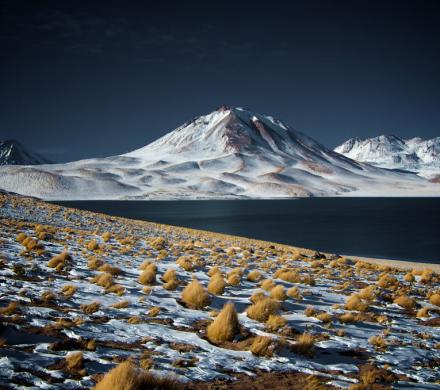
[{"x": 393, "y": 228}]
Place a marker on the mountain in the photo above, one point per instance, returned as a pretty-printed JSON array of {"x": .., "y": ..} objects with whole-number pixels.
[
  {"x": 13, "y": 153},
  {"x": 388, "y": 151},
  {"x": 229, "y": 153}
]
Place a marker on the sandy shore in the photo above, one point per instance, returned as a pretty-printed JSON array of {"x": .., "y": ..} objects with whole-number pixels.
[{"x": 397, "y": 263}]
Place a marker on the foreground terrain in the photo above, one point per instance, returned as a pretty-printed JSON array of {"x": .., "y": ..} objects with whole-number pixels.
[{"x": 82, "y": 292}]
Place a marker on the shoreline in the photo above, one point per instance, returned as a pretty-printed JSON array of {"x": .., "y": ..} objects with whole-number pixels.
[{"x": 401, "y": 264}]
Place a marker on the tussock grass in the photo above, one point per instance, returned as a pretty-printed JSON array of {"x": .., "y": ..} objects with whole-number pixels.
[
  {"x": 435, "y": 299},
  {"x": 217, "y": 284},
  {"x": 90, "y": 308},
  {"x": 254, "y": 276},
  {"x": 147, "y": 277},
  {"x": 262, "y": 309},
  {"x": 68, "y": 290},
  {"x": 169, "y": 274},
  {"x": 225, "y": 325},
  {"x": 294, "y": 293},
  {"x": 423, "y": 312},
  {"x": 278, "y": 293},
  {"x": 214, "y": 270},
  {"x": 195, "y": 296},
  {"x": 354, "y": 302},
  {"x": 92, "y": 245},
  {"x": 59, "y": 260},
  {"x": 325, "y": 317},
  {"x": 347, "y": 318},
  {"x": 377, "y": 342},
  {"x": 121, "y": 304},
  {"x": 171, "y": 285},
  {"x": 10, "y": 309},
  {"x": 405, "y": 301},
  {"x": 267, "y": 284},
  {"x": 304, "y": 344},
  {"x": 185, "y": 262},
  {"x": 94, "y": 263},
  {"x": 262, "y": 346},
  {"x": 257, "y": 296},
  {"x": 110, "y": 269},
  {"x": 127, "y": 377},
  {"x": 288, "y": 275},
  {"x": 234, "y": 279},
  {"x": 154, "y": 311},
  {"x": 74, "y": 360},
  {"x": 104, "y": 280},
  {"x": 309, "y": 311},
  {"x": 275, "y": 322}
]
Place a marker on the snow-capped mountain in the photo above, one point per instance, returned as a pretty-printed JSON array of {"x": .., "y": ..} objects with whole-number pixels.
[
  {"x": 229, "y": 153},
  {"x": 13, "y": 153},
  {"x": 388, "y": 151}
]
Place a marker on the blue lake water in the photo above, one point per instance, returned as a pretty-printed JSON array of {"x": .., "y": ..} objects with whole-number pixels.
[{"x": 393, "y": 228}]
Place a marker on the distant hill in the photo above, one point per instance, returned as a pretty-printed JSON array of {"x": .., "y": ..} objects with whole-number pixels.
[{"x": 13, "y": 153}]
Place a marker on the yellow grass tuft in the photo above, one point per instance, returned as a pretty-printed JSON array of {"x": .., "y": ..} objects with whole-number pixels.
[
  {"x": 435, "y": 299},
  {"x": 68, "y": 290},
  {"x": 275, "y": 322},
  {"x": 405, "y": 302},
  {"x": 74, "y": 361},
  {"x": 304, "y": 344},
  {"x": 225, "y": 325},
  {"x": 262, "y": 346},
  {"x": 90, "y": 308},
  {"x": 254, "y": 276},
  {"x": 92, "y": 245},
  {"x": 378, "y": 342},
  {"x": 294, "y": 293},
  {"x": 354, "y": 302},
  {"x": 195, "y": 296},
  {"x": 267, "y": 284},
  {"x": 278, "y": 293},
  {"x": 171, "y": 285},
  {"x": 94, "y": 263},
  {"x": 147, "y": 277},
  {"x": 10, "y": 309},
  {"x": 214, "y": 270},
  {"x": 104, "y": 280},
  {"x": 170, "y": 274},
  {"x": 185, "y": 262},
  {"x": 234, "y": 279},
  {"x": 121, "y": 304},
  {"x": 324, "y": 317},
  {"x": 217, "y": 284},
  {"x": 127, "y": 377},
  {"x": 262, "y": 309}
]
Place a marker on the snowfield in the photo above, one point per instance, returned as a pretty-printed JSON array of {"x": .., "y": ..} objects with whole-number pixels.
[
  {"x": 388, "y": 151},
  {"x": 229, "y": 153},
  {"x": 78, "y": 282}
]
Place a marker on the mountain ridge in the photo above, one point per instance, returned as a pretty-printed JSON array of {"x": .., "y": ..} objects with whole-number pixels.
[
  {"x": 228, "y": 153},
  {"x": 13, "y": 152}
]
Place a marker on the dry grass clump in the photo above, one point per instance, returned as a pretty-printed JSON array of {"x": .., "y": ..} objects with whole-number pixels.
[
  {"x": 309, "y": 311},
  {"x": 20, "y": 237},
  {"x": 405, "y": 301},
  {"x": 304, "y": 344},
  {"x": 354, "y": 302},
  {"x": 92, "y": 245},
  {"x": 94, "y": 263},
  {"x": 275, "y": 322},
  {"x": 267, "y": 284},
  {"x": 368, "y": 293},
  {"x": 325, "y": 317},
  {"x": 257, "y": 296},
  {"x": 347, "y": 318},
  {"x": 75, "y": 361},
  {"x": 195, "y": 296},
  {"x": 386, "y": 281},
  {"x": 278, "y": 293},
  {"x": 435, "y": 299},
  {"x": 214, "y": 270},
  {"x": 68, "y": 290},
  {"x": 217, "y": 284},
  {"x": 225, "y": 325},
  {"x": 154, "y": 311},
  {"x": 126, "y": 376},
  {"x": 288, "y": 275},
  {"x": 423, "y": 312},
  {"x": 104, "y": 280},
  {"x": 377, "y": 342},
  {"x": 185, "y": 262},
  {"x": 169, "y": 274},
  {"x": 116, "y": 289},
  {"x": 262, "y": 309},
  {"x": 121, "y": 304},
  {"x": 158, "y": 243},
  {"x": 409, "y": 277},
  {"x": 294, "y": 293},
  {"x": 426, "y": 276},
  {"x": 106, "y": 236},
  {"x": 262, "y": 346},
  {"x": 10, "y": 309},
  {"x": 148, "y": 265},
  {"x": 110, "y": 269},
  {"x": 234, "y": 279},
  {"x": 47, "y": 296},
  {"x": 90, "y": 308},
  {"x": 59, "y": 260},
  {"x": 147, "y": 277},
  {"x": 254, "y": 276}
]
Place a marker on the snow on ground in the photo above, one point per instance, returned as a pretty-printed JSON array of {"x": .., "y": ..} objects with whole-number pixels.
[{"x": 46, "y": 325}]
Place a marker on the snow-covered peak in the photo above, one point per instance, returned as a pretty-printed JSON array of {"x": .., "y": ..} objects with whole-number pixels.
[
  {"x": 389, "y": 151},
  {"x": 13, "y": 153}
]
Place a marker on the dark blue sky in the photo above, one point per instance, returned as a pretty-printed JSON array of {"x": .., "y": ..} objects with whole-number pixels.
[{"x": 96, "y": 78}]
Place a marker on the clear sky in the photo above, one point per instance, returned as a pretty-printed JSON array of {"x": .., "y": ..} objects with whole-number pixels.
[{"x": 96, "y": 78}]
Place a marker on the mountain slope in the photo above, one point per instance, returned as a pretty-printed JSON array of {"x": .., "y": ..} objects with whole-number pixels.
[
  {"x": 389, "y": 151},
  {"x": 13, "y": 153},
  {"x": 229, "y": 153}
]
